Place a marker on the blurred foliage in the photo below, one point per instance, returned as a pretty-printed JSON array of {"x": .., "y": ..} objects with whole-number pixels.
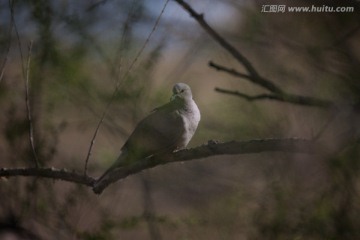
[{"x": 84, "y": 50}]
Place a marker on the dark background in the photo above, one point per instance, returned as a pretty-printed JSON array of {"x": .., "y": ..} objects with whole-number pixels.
[{"x": 82, "y": 50}]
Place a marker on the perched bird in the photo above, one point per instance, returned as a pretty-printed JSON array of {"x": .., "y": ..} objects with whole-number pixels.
[{"x": 166, "y": 129}]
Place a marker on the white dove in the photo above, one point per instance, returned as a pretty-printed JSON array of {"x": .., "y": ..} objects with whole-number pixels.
[{"x": 166, "y": 129}]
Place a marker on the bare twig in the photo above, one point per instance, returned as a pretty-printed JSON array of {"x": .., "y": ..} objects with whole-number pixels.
[
  {"x": 28, "y": 108},
  {"x": 210, "y": 149},
  {"x": 147, "y": 40},
  {"x": 118, "y": 86},
  {"x": 26, "y": 75},
  {"x": 123, "y": 44},
  {"x": 57, "y": 174},
  {"x": 289, "y": 98},
  {"x": 253, "y": 74},
  {"x": 248, "y": 97},
  {"x": 93, "y": 139},
  {"x": 231, "y": 71}
]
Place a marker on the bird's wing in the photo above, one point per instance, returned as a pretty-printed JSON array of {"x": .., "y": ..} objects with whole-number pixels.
[{"x": 159, "y": 132}]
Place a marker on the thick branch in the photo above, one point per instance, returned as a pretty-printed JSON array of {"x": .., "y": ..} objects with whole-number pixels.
[
  {"x": 206, "y": 150},
  {"x": 210, "y": 149},
  {"x": 57, "y": 174}
]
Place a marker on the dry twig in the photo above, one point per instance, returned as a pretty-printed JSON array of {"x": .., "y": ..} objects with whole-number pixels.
[
  {"x": 117, "y": 87},
  {"x": 28, "y": 108}
]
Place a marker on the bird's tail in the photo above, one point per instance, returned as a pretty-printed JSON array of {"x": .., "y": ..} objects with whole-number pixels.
[{"x": 121, "y": 161}]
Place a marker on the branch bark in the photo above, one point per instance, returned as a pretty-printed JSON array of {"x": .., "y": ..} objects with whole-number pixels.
[
  {"x": 208, "y": 150},
  {"x": 53, "y": 173},
  {"x": 212, "y": 148}
]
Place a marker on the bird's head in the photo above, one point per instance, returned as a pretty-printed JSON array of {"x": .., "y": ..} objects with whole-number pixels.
[{"x": 182, "y": 91}]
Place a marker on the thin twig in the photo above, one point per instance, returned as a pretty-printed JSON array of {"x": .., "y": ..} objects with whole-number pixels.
[
  {"x": 28, "y": 107},
  {"x": 288, "y": 98},
  {"x": 93, "y": 139},
  {"x": 119, "y": 52},
  {"x": 26, "y": 73},
  {"x": 228, "y": 70},
  {"x": 248, "y": 97},
  {"x": 118, "y": 86},
  {"x": 146, "y": 41}
]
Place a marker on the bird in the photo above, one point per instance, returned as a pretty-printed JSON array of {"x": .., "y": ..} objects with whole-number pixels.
[{"x": 166, "y": 129}]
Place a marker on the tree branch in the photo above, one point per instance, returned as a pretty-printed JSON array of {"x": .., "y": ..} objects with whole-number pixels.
[
  {"x": 57, "y": 174},
  {"x": 248, "y": 97},
  {"x": 228, "y": 70},
  {"x": 289, "y": 98},
  {"x": 232, "y": 50},
  {"x": 212, "y": 148},
  {"x": 208, "y": 150},
  {"x": 253, "y": 74}
]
